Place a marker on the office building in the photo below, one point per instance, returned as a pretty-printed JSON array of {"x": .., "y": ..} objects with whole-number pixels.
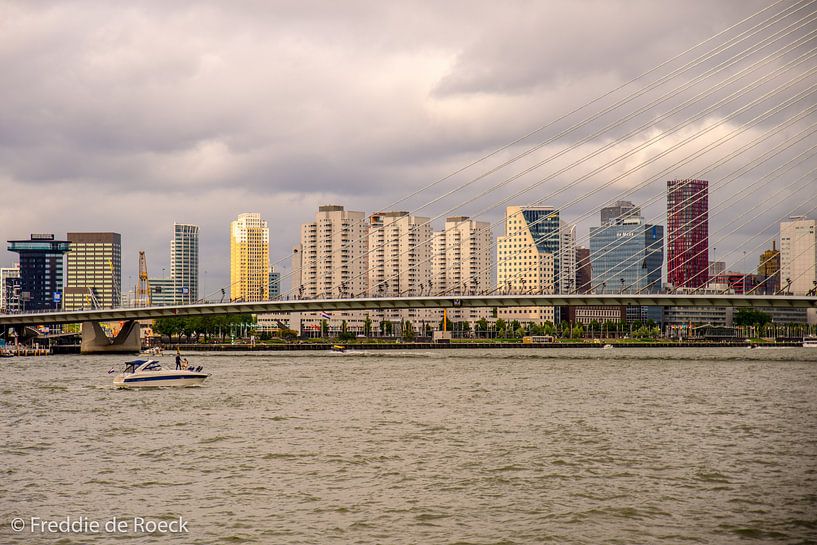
[
  {"x": 768, "y": 269},
  {"x": 528, "y": 258},
  {"x": 162, "y": 292},
  {"x": 687, "y": 233},
  {"x": 93, "y": 271},
  {"x": 619, "y": 211},
  {"x": 627, "y": 257},
  {"x": 798, "y": 255},
  {"x": 584, "y": 270},
  {"x": 41, "y": 271},
  {"x": 274, "y": 283},
  {"x": 566, "y": 278},
  {"x": 249, "y": 258},
  {"x": 184, "y": 263},
  {"x": 736, "y": 282},
  {"x": 716, "y": 268},
  {"x": 686, "y": 321},
  {"x": 7, "y": 273}
]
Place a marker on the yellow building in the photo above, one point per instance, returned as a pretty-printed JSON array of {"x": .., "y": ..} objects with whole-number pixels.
[
  {"x": 249, "y": 258},
  {"x": 527, "y": 259},
  {"x": 93, "y": 274}
]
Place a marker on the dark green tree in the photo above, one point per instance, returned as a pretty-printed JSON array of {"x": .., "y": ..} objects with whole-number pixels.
[{"x": 749, "y": 317}]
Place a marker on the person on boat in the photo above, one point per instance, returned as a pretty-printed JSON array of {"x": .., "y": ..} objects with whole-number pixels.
[
  {"x": 185, "y": 363},
  {"x": 178, "y": 361}
]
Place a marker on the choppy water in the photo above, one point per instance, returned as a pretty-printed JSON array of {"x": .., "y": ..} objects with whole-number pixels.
[{"x": 482, "y": 447}]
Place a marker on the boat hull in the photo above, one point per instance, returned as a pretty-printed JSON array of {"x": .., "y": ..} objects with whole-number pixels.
[{"x": 160, "y": 379}]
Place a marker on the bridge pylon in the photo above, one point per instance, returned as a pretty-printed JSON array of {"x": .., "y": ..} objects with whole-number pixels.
[{"x": 96, "y": 341}]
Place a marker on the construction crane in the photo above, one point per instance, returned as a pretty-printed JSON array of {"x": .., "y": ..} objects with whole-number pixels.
[{"x": 142, "y": 297}]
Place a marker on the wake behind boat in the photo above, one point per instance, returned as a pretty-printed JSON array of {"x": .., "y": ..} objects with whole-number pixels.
[{"x": 149, "y": 373}]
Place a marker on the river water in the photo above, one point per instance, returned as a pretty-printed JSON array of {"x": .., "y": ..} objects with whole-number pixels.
[{"x": 462, "y": 446}]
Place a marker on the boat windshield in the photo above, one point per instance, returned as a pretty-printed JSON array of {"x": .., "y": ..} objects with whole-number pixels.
[{"x": 142, "y": 365}]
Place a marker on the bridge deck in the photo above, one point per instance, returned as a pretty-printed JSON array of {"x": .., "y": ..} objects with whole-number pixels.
[{"x": 465, "y": 301}]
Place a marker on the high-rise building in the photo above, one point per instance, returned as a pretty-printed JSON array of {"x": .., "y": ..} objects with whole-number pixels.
[
  {"x": 184, "y": 263},
  {"x": 528, "y": 258},
  {"x": 330, "y": 261},
  {"x": 249, "y": 258},
  {"x": 400, "y": 248},
  {"x": 584, "y": 270},
  {"x": 716, "y": 268},
  {"x": 567, "y": 259},
  {"x": 41, "y": 271},
  {"x": 619, "y": 211},
  {"x": 627, "y": 257},
  {"x": 462, "y": 263},
  {"x": 798, "y": 255},
  {"x": 162, "y": 292},
  {"x": 7, "y": 273},
  {"x": 93, "y": 271},
  {"x": 688, "y": 233},
  {"x": 769, "y": 270},
  {"x": 274, "y": 283}
]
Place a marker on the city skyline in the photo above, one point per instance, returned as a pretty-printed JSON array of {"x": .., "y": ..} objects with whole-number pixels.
[{"x": 366, "y": 276}]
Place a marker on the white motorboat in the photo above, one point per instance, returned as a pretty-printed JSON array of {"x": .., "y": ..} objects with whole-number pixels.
[
  {"x": 149, "y": 373},
  {"x": 607, "y": 347},
  {"x": 810, "y": 342}
]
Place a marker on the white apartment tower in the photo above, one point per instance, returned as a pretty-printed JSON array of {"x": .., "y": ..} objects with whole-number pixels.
[
  {"x": 184, "y": 263},
  {"x": 798, "y": 255},
  {"x": 528, "y": 258},
  {"x": 462, "y": 262},
  {"x": 400, "y": 248},
  {"x": 330, "y": 261}
]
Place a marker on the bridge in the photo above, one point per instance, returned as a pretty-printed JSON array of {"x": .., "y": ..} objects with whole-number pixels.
[
  {"x": 94, "y": 339},
  {"x": 389, "y": 303}
]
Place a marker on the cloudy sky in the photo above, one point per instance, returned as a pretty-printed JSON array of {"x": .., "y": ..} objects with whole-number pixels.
[{"x": 128, "y": 116}]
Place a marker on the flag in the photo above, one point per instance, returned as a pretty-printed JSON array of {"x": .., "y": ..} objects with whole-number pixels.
[{"x": 326, "y": 316}]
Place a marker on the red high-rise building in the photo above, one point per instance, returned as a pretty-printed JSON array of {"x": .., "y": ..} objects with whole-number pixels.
[{"x": 688, "y": 233}]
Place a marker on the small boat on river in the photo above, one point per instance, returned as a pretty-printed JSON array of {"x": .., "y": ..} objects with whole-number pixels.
[{"x": 150, "y": 374}]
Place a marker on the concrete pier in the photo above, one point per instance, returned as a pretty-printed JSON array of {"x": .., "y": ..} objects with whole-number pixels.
[{"x": 96, "y": 341}]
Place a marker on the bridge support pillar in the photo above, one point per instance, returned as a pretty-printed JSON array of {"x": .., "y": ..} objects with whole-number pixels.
[{"x": 96, "y": 341}]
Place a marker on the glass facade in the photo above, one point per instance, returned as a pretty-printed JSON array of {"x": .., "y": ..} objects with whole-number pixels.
[
  {"x": 274, "y": 284},
  {"x": 688, "y": 233},
  {"x": 627, "y": 257},
  {"x": 41, "y": 271},
  {"x": 184, "y": 263}
]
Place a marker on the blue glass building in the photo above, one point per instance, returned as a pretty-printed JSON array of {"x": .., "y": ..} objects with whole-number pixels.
[
  {"x": 627, "y": 256},
  {"x": 544, "y": 226},
  {"x": 41, "y": 271}
]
